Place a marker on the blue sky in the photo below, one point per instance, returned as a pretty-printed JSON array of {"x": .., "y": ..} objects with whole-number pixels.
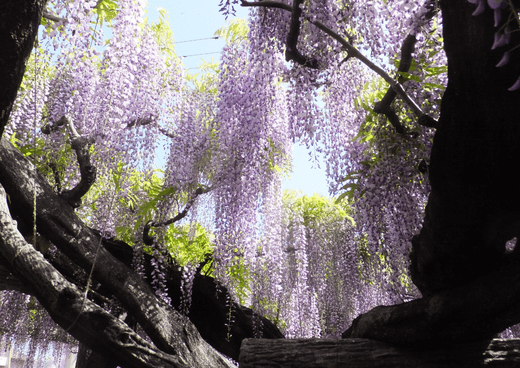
[{"x": 198, "y": 20}]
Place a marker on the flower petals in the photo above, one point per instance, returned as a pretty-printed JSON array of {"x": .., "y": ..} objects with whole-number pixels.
[
  {"x": 498, "y": 17},
  {"x": 501, "y": 39},
  {"x": 515, "y": 86},
  {"x": 481, "y": 6},
  {"x": 495, "y": 4},
  {"x": 504, "y": 60}
]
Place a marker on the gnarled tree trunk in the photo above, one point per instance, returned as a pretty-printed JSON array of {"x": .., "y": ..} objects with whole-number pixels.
[{"x": 470, "y": 284}]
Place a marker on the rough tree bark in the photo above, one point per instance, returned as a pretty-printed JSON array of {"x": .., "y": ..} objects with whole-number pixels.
[
  {"x": 57, "y": 222},
  {"x": 470, "y": 284},
  {"x": 459, "y": 260},
  {"x": 473, "y": 208},
  {"x": 365, "y": 353},
  {"x": 64, "y": 302},
  {"x": 19, "y": 21},
  {"x": 172, "y": 333}
]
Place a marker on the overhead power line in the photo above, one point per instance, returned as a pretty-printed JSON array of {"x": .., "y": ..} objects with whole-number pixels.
[
  {"x": 199, "y": 39},
  {"x": 206, "y": 53}
]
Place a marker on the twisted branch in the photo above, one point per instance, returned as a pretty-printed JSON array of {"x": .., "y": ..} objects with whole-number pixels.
[
  {"x": 87, "y": 171},
  {"x": 353, "y": 52},
  {"x": 148, "y": 240},
  {"x": 146, "y": 121},
  {"x": 54, "y": 18},
  {"x": 80, "y": 145},
  {"x": 291, "y": 52},
  {"x": 384, "y": 106}
]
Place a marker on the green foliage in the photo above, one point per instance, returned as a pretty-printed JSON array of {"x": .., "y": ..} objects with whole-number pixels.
[
  {"x": 241, "y": 278},
  {"x": 237, "y": 30},
  {"x": 371, "y": 91},
  {"x": 274, "y": 154},
  {"x": 142, "y": 197},
  {"x": 187, "y": 244},
  {"x": 42, "y": 66},
  {"x": 207, "y": 80},
  {"x": 316, "y": 209},
  {"x": 350, "y": 187},
  {"x": 106, "y": 10},
  {"x": 164, "y": 36},
  {"x": 191, "y": 244},
  {"x": 379, "y": 136},
  {"x": 53, "y": 167}
]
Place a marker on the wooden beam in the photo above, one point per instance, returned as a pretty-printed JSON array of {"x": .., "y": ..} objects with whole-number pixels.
[{"x": 366, "y": 353}]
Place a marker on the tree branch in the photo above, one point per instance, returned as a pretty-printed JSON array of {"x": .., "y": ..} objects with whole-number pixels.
[
  {"x": 19, "y": 22},
  {"x": 384, "y": 106},
  {"x": 170, "y": 331},
  {"x": 8, "y": 281},
  {"x": 148, "y": 240},
  {"x": 291, "y": 51},
  {"x": 87, "y": 170},
  {"x": 471, "y": 312},
  {"x": 146, "y": 121},
  {"x": 210, "y": 306},
  {"x": 54, "y": 18},
  {"x": 352, "y": 52},
  {"x": 64, "y": 302},
  {"x": 56, "y": 221},
  {"x": 266, "y": 4}
]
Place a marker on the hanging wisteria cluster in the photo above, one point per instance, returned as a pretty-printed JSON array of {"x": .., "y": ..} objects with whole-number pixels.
[
  {"x": 253, "y": 145},
  {"x": 502, "y": 9},
  {"x": 112, "y": 95},
  {"x": 29, "y": 331},
  {"x": 381, "y": 170}
]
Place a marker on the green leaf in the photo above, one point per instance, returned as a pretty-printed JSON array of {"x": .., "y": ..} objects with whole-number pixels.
[
  {"x": 408, "y": 76},
  {"x": 106, "y": 11},
  {"x": 433, "y": 85},
  {"x": 433, "y": 53},
  {"x": 236, "y": 30},
  {"x": 436, "y": 70}
]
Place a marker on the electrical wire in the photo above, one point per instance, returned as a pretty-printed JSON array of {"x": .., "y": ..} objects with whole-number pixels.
[
  {"x": 206, "y": 53},
  {"x": 198, "y": 39}
]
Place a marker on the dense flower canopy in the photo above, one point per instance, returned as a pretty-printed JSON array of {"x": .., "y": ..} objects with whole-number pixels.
[
  {"x": 233, "y": 138},
  {"x": 355, "y": 80}
]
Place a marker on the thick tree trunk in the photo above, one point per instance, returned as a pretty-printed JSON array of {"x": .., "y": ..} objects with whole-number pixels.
[
  {"x": 171, "y": 332},
  {"x": 19, "y": 21},
  {"x": 471, "y": 312},
  {"x": 66, "y": 305},
  {"x": 364, "y": 353},
  {"x": 474, "y": 205},
  {"x": 470, "y": 284},
  {"x": 56, "y": 221},
  {"x": 210, "y": 310}
]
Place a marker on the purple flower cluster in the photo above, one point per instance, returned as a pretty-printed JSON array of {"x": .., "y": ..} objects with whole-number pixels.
[
  {"x": 188, "y": 275},
  {"x": 503, "y": 34},
  {"x": 388, "y": 191},
  {"x": 117, "y": 95},
  {"x": 29, "y": 330},
  {"x": 252, "y": 146}
]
